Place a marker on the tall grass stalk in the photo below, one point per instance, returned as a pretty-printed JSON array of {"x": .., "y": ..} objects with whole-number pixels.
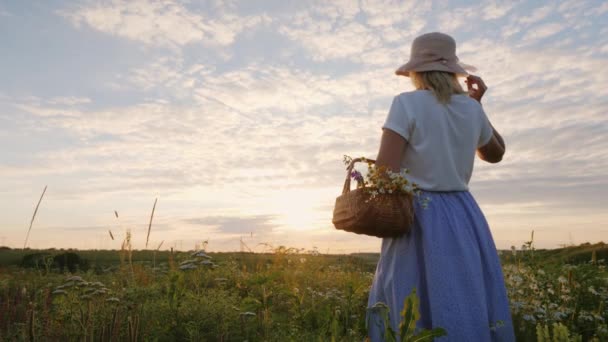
[
  {"x": 126, "y": 251},
  {"x": 33, "y": 217},
  {"x": 154, "y": 254},
  {"x": 150, "y": 224}
]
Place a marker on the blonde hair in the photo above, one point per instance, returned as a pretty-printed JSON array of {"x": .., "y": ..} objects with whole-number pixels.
[{"x": 442, "y": 84}]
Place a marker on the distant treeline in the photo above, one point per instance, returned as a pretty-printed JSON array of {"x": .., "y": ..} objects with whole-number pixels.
[
  {"x": 16, "y": 257},
  {"x": 62, "y": 258}
]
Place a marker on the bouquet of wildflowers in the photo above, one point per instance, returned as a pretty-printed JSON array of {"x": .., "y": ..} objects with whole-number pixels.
[{"x": 379, "y": 180}]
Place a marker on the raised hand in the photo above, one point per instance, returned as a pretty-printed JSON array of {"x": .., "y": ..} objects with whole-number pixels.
[{"x": 476, "y": 87}]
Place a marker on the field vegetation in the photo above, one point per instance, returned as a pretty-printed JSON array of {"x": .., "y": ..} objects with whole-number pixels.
[{"x": 284, "y": 295}]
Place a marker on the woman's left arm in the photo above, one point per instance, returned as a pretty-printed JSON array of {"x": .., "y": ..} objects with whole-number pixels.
[{"x": 392, "y": 146}]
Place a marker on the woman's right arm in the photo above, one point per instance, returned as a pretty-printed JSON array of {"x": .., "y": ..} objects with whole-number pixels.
[{"x": 493, "y": 151}]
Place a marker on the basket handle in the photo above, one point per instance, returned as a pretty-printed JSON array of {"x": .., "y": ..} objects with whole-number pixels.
[{"x": 349, "y": 169}]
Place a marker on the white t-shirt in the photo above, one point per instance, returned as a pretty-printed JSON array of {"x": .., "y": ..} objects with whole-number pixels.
[{"x": 442, "y": 139}]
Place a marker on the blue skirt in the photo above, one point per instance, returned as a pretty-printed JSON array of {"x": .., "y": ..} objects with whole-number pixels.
[{"x": 449, "y": 256}]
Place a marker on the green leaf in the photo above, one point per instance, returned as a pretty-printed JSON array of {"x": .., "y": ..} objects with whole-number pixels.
[
  {"x": 409, "y": 316},
  {"x": 389, "y": 334},
  {"x": 382, "y": 310},
  {"x": 428, "y": 335}
]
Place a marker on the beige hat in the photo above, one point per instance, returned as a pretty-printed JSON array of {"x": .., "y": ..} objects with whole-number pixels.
[{"x": 434, "y": 51}]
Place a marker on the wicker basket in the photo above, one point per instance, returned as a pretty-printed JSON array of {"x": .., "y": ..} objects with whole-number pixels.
[{"x": 386, "y": 215}]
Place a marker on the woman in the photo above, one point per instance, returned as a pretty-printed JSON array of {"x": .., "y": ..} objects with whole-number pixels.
[{"x": 449, "y": 256}]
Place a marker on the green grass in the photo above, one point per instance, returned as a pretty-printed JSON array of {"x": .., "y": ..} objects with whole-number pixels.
[
  {"x": 258, "y": 297},
  {"x": 281, "y": 296}
]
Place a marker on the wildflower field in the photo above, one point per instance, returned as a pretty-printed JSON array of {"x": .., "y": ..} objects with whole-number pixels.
[{"x": 283, "y": 295}]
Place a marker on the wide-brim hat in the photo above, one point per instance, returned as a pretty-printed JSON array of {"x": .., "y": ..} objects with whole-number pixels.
[{"x": 434, "y": 51}]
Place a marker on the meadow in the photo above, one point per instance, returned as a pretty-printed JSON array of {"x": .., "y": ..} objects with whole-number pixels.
[{"x": 284, "y": 295}]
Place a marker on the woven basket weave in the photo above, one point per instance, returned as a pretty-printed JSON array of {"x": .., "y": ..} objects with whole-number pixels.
[{"x": 386, "y": 215}]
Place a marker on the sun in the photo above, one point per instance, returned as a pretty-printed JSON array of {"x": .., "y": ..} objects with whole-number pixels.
[{"x": 302, "y": 209}]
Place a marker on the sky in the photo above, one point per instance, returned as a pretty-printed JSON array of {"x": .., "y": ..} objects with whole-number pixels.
[{"x": 236, "y": 116}]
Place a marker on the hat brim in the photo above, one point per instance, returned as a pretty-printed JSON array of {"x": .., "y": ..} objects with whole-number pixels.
[{"x": 455, "y": 68}]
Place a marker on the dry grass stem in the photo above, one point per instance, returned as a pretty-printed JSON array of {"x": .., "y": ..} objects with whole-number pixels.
[
  {"x": 33, "y": 217},
  {"x": 150, "y": 225}
]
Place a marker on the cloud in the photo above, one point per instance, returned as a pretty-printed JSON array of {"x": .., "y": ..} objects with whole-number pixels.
[
  {"x": 173, "y": 145},
  {"x": 571, "y": 9},
  {"x": 521, "y": 23},
  {"x": 163, "y": 71},
  {"x": 537, "y": 15},
  {"x": 69, "y": 100},
  {"x": 333, "y": 30},
  {"x": 306, "y": 119},
  {"x": 255, "y": 141},
  {"x": 494, "y": 10},
  {"x": 259, "y": 87},
  {"x": 454, "y": 20},
  {"x": 543, "y": 31},
  {"x": 398, "y": 19},
  {"x": 450, "y": 21},
  {"x": 159, "y": 23},
  {"x": 324, "y": 42},
  {"x": 259, "y": 225},
  {"x": 603, "y": 8}
]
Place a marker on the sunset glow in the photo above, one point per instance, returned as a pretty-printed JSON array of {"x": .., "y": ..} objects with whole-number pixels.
[{"x": 236, "y": 116}]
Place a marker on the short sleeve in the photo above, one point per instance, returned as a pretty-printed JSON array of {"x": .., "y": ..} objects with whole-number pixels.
[
  {"x": 486, "y": 130},
  {"x": 398, "y": 120}
]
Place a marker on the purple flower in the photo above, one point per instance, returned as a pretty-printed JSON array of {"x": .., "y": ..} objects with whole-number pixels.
[{"x": 356, "y": 175}]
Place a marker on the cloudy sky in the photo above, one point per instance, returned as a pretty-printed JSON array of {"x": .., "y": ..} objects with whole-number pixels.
[{"x": 236, "y": 115}]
